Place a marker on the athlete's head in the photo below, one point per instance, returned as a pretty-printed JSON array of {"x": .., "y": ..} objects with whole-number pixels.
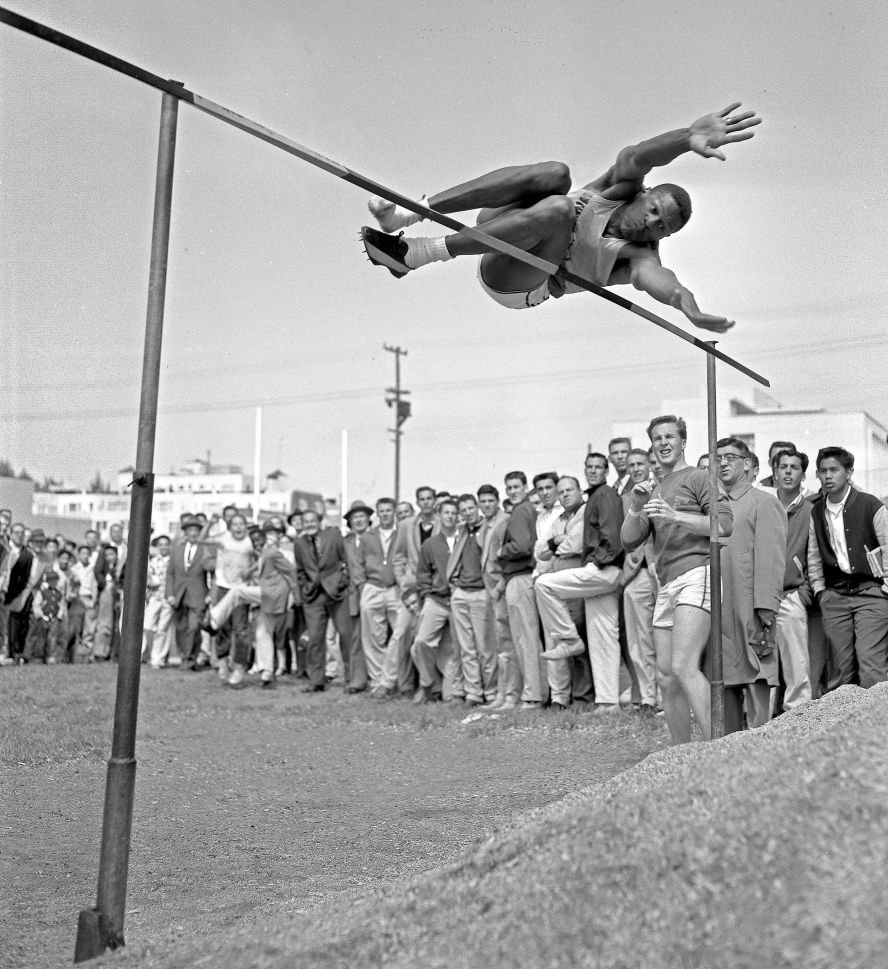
[{"x": 655, "y": 213}]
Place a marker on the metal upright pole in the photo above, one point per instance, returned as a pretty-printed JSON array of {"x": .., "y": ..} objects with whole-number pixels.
[
  {"x": 402, "y": 412},
  {"x": 717, "y": 718},
  {"x": 398, "y": 431},
  {"x": 257, "y": 465},
  {"x": 101, "y": 927}
]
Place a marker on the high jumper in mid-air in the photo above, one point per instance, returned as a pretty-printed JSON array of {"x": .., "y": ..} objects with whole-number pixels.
[{"x": 607, "y": 232}]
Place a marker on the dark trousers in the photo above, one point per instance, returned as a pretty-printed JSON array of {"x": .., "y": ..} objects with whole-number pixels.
[
  {"x": 357, "y": 662},
  {"x": 316, "y": 613},
  {"x": 297, "y": 628},
  {"x": 18, "y": 631},
  {"x": 45, "y": 640},
  {"x": 581, "y": 685},
  {"x": 188, "y": 632},
  {"x": 818, "y": 654},
  {"x": 856, "y": 628}
]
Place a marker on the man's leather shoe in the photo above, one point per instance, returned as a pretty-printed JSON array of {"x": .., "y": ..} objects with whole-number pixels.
[
  {"x": 355, "y": 689},
  {"x": 314, "y": 688}
]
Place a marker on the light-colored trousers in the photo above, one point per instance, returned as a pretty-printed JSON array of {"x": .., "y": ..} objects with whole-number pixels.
[
  {"x": 333, "y": 666},
  {"x": 792, "y": 645},
  {"x": 264, "y": 640},
  {"x": 397, "y": 666},
  {"x": 105, "y": 622},
  {"x": 599, "y": 590},
  {"x": 434, "y": 651},
  {"x": 470, "y": 618},
  {"x": 524, "y": 625},
  {"x": 639, "y": 597},
  {"x": 159, "y": 620},
  {"x": 379, "y": 611},
  {"x": 235, "y": 596},
  {"x": 508, "y": 675}
]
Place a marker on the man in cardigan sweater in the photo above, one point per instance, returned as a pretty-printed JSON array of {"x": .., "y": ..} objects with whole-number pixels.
[
  {"x": 847, "y": 567},
  {"x": 381, "y": 603},
  {"x": 470, "y": 617}
]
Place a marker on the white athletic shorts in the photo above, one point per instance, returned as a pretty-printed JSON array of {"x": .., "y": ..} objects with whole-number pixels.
[
  {"x": 517, "y": 301},
  {"x": 688, "y": 589}
]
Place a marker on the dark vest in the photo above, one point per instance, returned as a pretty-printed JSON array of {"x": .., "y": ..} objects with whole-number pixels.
[
  {"x": 860, "y": 508},
  {"x": 19, "y": 574}
]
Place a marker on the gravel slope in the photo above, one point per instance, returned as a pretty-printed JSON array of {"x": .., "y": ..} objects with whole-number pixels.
[{"x": 765, "y": 849}]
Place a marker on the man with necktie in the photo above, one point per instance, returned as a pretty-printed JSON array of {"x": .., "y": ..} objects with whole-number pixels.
[
  {"x": 322, "y": 574},
  {"x": 186, "y": 591}
]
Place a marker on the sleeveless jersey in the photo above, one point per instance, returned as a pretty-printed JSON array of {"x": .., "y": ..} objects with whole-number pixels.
[{"x": 591, "y": 254}]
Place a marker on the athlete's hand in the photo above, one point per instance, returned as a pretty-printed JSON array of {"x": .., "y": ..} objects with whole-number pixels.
[
  {"x": 717, "y": 324},
  {"x": 660, "y": 510},
  {"x": 640, "y": 494},
  {"x": 684, "y": 300},
  {"x": 709, "y": 133}
]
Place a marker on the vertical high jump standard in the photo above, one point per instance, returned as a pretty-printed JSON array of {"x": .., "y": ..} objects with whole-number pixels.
[{"x": 101, "y": 927}]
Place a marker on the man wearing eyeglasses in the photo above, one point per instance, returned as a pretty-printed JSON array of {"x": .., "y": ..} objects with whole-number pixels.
[{"x": 753, "y": 567}]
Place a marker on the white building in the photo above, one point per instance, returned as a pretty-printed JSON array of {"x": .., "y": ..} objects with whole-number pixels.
[
  {"x": 758, "y": 419},
  {"x": 197, "y": 476},
  {"x": 197, "y": 487}
]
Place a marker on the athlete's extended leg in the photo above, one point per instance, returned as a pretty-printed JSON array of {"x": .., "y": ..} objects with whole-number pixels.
[
  {"x": 544, "y": 228},
  {"x": 517, "y": 185}
]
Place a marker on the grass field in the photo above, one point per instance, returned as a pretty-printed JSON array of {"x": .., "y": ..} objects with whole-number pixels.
[{"x": 254, "y": 805}]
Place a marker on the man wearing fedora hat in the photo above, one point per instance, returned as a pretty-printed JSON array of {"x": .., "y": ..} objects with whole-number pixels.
[
  {"x": 186, "y": 590},
  {"x": 357, "y": 518}
]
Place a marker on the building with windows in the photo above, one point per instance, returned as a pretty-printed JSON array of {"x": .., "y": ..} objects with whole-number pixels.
[
  {"x": 758, "y": 419},
  {"x": 196, "y": 487}
]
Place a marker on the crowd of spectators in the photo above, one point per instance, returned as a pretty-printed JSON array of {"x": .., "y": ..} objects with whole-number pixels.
[{"x": 551, "y": 593}]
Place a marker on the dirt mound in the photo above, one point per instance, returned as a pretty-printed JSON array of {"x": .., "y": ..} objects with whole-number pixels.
[{"x": 767, "y": 848}]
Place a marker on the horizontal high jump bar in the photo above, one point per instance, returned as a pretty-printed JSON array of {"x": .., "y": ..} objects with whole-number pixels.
[{"x": 179, "y": 91}]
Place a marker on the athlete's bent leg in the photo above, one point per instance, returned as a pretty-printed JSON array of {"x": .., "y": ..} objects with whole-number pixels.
[{"x": 516, "y": 185}]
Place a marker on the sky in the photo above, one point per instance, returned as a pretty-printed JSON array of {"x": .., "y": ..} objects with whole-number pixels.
[{"x": 270, "y": 300}]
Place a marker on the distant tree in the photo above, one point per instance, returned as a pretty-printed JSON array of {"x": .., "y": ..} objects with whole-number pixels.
[
  {"x": 97, "y": 486},
  {"x": 6, "y": 469},
  {"x": 24, "y": 475}
]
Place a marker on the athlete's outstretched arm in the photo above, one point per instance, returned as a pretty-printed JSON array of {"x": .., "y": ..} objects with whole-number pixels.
[
  {"x": 706, "y": 136},
  {"x": 661, "y": 283}
]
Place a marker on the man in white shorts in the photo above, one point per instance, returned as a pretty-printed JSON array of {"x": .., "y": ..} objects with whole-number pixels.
[
  {"x": 677, "y": 512},
  {"x": 607, "y": 232}
]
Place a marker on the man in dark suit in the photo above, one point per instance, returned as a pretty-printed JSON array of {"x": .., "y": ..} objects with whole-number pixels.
[
  {"x": 186, "y": 591},
  {"x": 322, "y": 574},
  {"x": 17, "y": 598}
]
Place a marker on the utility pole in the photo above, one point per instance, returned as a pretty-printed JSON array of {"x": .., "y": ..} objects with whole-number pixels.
[{"x": 393, "y": 396}]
